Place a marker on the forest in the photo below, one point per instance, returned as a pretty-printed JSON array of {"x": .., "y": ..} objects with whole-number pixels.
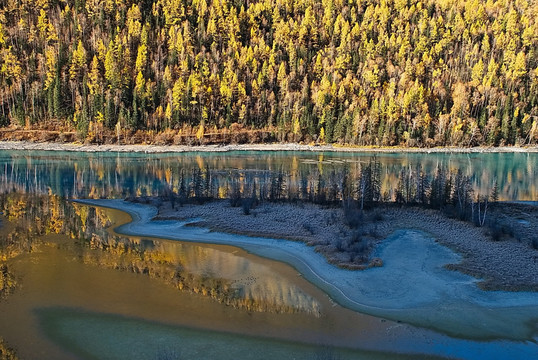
[{"x": 358, "y": 72}]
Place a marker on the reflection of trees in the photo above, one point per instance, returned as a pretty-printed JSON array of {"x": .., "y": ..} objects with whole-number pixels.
[
  {"x": 6, "y": 353},
  {"x": 28, "y": 216},
  {"x": 7, "y": 281},
  {"x": 168, "y": 262},
  {"x": 102, "y": 175},
  {"x": 32, "y": 215}
]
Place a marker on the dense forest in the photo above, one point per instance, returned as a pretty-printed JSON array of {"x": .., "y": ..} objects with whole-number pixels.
[{"x": 366, "y": 72}]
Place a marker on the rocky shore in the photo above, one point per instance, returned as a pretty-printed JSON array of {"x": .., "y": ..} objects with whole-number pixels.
[{"x": 148, "y": 148}]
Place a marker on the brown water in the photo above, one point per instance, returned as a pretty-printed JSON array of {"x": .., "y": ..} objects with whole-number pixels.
[{"x": 65, "y": 273}]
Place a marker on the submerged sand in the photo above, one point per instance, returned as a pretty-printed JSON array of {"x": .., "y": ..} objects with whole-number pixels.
[{"x": 413, "y": 285}]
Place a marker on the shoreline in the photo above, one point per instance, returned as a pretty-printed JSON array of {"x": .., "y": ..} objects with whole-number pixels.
[
  {"x": 505, "y": 264},
  {"x": 160, "y": 149},
  {"x": 412, "y": 286}
]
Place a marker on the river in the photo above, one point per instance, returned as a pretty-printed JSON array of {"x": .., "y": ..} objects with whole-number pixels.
[{"x": 82, "y": 290}]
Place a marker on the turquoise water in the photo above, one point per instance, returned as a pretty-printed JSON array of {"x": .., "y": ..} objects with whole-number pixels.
[{"x": 115, "y": 175}]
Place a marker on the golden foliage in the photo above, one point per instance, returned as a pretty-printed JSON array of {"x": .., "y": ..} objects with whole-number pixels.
[{"x": 366, "y": 72}]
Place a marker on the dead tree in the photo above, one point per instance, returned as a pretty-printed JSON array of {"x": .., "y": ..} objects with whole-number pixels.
[{"x": 482, "y": 210}]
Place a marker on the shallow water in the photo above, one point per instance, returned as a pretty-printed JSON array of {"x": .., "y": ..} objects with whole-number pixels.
[
  {"x": 84, "y": 291},
  {"x": 73, "y": 296},
  {"x": 80, "y": 299},
  {"x": 112, "y": 337}
]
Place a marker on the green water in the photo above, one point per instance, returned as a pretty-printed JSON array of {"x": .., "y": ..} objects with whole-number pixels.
[{"x": 98, "y": 336}]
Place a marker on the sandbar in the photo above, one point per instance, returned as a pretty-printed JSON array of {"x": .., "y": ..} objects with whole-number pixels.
[{"x": 413, "y": 286}]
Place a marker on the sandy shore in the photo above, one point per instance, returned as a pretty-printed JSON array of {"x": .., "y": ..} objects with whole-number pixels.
[{"x": 46, "y": 146}]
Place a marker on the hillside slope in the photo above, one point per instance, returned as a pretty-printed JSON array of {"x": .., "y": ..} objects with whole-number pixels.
[{"x": 368, "y": 72}]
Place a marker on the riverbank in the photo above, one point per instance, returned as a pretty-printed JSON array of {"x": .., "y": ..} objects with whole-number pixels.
[
  {"x": 53, "y": 146},
  {"x": 504, "y": 260},
  {"x": 413, "y": 285}
]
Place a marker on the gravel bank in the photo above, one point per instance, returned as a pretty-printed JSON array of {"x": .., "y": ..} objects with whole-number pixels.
[
  {"x": 322, "y": 228},
  {"x": 25, "y": 145},
  {"x": 506, "y": 264},
  {"x": 510, "y": 263}
]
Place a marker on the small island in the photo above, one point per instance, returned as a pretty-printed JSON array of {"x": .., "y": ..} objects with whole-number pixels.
[{"x": 502, "y": 258}]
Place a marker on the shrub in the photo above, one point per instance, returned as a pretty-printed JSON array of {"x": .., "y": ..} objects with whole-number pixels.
[
  {"x": 359, "y": 245},
  {"x": 235, "y": 196},
  {"x": 498, "y": 231},
  {"x": 377, "y": 216},
  {"x": 353, "y": 217},
  {"x": 308, "y": 227},
  {"x": 247, "y": 205},
  {"x": 340, "y": 245}
]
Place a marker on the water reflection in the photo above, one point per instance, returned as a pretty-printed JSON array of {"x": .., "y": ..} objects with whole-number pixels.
[
  {"x": 68, "y": 255},
  {"x": 212, "y": 272},
  {"x": 207, "y": 271},
  {"x": 80, "y": 263},
  {"x": 7, "y": 281},
  {"x": 80, "y": 175}
]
